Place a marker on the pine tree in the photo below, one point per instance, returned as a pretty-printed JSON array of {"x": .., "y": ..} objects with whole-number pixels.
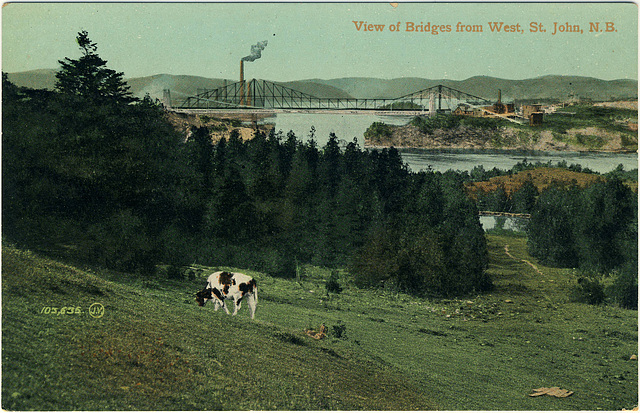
[{"x": 88, "y": 76}]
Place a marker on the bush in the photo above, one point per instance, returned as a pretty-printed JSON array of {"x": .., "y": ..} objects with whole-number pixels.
[
  {"x": 428, "y": 124},
  {"x": 332, "y": 285},
  {"x": 624, "y": 290},
  {"x": 376, "y": 262},
  {"x": 378, "y": 131},
  {"x": 589, "y": 290},
  {"x": 339, "y": 330},
  {"x": 277, "y": 264}
]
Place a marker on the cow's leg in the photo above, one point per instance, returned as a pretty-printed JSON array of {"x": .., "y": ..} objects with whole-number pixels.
[
  {"x": 224, "y": 306},
  {"x": 238, "y": 301},
  {"x": 216, "y": 304},
  {"x": 251, "y": 302},
  {"x": 220, "y": 299}
]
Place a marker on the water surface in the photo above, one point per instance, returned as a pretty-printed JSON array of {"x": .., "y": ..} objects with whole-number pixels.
[{"x": 350, "y": 126}]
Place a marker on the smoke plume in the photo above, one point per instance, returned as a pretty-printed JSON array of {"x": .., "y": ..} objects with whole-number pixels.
[{"x": 256, "y": 51}]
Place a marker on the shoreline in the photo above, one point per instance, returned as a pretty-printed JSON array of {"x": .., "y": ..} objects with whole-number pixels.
[{"x": 506, "y": 151}]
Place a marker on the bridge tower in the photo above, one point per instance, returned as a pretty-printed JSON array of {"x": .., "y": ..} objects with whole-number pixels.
[{"x": 166, "y": 97}]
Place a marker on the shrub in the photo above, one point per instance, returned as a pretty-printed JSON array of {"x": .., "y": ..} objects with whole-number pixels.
[
  {"x": 378, "y": 131},
  {"x": 332, "y": 285},
  {"x": 430, "y": 123},
  {"x": 625, "y": 287},
  {"x": 339, "y": 330},
  {"x": 589, "y": 289},
  {"x": 277, "y": 264},
  {"x": 376, "y": 262},
  {"x": 174, "y": 273}
]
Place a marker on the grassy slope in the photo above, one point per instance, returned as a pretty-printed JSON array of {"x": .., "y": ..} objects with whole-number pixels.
[
  {"x": 541, "y": 177},
  {"x": 155, "y": 349}
]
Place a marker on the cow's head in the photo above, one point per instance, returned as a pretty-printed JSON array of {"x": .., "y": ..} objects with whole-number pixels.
[{"x": 202, "y": 296}]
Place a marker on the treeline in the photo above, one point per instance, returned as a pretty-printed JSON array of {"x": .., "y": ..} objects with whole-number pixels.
[
  {"x": 428, "y": 124},
  {"x": 479, "y": 173},
  {"x": 594, "y": 229},
  {"x": 94, "y": 174},
  {"x": 523, "y": 198}
]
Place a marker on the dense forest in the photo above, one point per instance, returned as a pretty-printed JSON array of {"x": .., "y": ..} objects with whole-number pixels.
[
  {"x": 95, "y": 175},
  {"x": 89, "y": 170}
]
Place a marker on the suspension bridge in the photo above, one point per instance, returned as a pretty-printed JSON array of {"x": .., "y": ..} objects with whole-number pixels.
[{"x": 256, "y": 95}]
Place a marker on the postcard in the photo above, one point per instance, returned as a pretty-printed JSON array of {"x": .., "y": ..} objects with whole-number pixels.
[{"x": 319, "y": 206}]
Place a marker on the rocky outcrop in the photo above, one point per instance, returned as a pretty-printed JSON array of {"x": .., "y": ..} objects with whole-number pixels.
[
  {"x": 506, "y": 138},
  {"x": 218, "y": 128}
]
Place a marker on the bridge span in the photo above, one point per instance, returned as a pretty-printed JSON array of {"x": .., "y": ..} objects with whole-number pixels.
[
  {"x": 261, "y": 95},
  {"x": 270, "y": 112}
]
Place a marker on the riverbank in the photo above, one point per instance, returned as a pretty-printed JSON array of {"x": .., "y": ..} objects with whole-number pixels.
[
  {"x": 220, "y": 126},
  {"x": 590, "y": 139}
]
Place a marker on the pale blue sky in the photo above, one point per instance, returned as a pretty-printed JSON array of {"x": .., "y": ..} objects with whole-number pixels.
[{"x": 320, "y": 40}]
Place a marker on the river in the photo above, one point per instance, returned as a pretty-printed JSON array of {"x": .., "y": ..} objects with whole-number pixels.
[{"x": 349, "y": 126}]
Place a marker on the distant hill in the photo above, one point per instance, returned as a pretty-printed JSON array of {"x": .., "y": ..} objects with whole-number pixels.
[
  {"x": 539, "y": 88},
  {"x": 180, "y": 86},
  {"x": 317, "y": 89},
  {"x": 35, "y": 79},
  {"x": 544, "y": 87}
]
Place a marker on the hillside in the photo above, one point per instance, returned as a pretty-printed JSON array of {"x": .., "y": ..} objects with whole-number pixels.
[
  {"x": 585, "y": 127},
  {"x": 317, "y": 89},
  {"x": 180, "y": 86},
  {"x": 155, "y": 349},
  {"x": 35, "y": 79},
  {"x": 544, "y": 87},
  {"x": 542, "y": 178},
  {"x": 540, "y": 88},
  {"x": 477, "y": 138}
]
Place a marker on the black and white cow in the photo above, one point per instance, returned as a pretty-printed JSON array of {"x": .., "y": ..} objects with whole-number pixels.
[{"x": 224, "y": 285}]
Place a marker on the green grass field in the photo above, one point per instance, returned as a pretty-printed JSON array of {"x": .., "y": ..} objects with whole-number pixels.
[{"x": 155, "y": 349}]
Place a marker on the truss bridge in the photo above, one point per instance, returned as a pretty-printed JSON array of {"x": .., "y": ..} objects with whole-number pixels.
[{"x": 258, "y": 95}]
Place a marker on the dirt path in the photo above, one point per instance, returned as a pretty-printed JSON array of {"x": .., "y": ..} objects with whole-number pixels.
[{"x": 506, "y": 250}]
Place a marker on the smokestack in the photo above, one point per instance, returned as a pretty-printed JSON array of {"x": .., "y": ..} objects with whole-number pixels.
[
  {"x": 249, "y": 92},
  {"x": 499, "y": 95},
  {"x": 256, "y": 53}
]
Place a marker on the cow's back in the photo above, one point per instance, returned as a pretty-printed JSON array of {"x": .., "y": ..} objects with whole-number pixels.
[
  {"x": 242, "y": 278},
  {"x": 221, "y": 278}
]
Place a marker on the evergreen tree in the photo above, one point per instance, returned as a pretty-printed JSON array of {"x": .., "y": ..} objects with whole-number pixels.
[
  {"x": 232, "y": 215},
  {"x": 590, "y": 228},
  {"x": 524, "y": 199},
  {"x": 209, "y": 159},
  {"x": 88, "y": 76},
  {"x": 496, "y": 200},
  {"x": 329, "y": 167},
  {"x": 607, "y": 209},
  {"x": 551, "y": 230}
]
